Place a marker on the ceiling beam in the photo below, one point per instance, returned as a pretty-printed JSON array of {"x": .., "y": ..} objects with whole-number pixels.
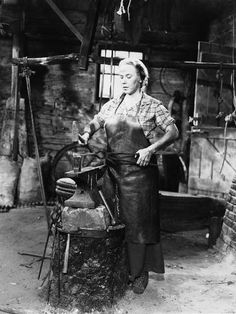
[
  {"x": 25, "y": 61},
  {"x": 174, "y": 64},
  {"x": 156, "y": 64},
  {"x": 65, "y": 20},
  {"x": 89, "y": 31}
]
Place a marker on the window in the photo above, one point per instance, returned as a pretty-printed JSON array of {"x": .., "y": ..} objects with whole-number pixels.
[{"x": 108, "y": 77}]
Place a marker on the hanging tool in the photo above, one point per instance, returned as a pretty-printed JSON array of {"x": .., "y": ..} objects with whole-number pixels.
[
  {"x": 219, "y": 77},
  {"x": 27, "y": 72}
]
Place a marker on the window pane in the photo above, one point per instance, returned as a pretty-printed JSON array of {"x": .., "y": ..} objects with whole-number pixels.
[
  {"x": 106, "y": 86},
  {"x": 111, "y": 79},
  {"x": 106, "y": 53},
  {"x": 121, "y": 54},
  {"x": 138, "y": 55},
  {"x": 117, "y": 87},
  {"x": 115, "y": 70}
]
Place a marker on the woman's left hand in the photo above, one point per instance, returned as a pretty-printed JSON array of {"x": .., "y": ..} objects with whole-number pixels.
[{"x": 144, "y": 156}]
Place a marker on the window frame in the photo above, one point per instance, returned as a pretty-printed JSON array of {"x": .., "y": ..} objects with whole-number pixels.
[{"x": 107, "y": 61}]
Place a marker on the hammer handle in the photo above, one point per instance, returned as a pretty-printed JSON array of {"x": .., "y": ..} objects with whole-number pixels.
[
  {"x": 66, "y": 257},
  {"x": 113, "y": 221}
]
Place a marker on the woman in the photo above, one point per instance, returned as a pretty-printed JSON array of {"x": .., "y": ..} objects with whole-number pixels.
[{"x": 131, "y": 123}]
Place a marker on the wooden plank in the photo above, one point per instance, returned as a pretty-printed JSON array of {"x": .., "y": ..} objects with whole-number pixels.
[
  {"x": 65, "y": 20},
  {"x": 175, "y": 64},
  {"x": 89, "y": 32},
  {"x": 46, "y": 60},
  {"x": 208, "y": 177},
  {"x": 216, "y": 48}
]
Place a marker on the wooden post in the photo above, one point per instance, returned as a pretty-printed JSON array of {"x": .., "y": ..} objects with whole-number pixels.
[
  {"x": 90, "y": 28},
  {"x": 9, "y": 138},
  {"x": 15, "y": 92}
]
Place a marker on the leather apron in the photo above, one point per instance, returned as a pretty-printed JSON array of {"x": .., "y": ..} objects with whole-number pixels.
[{"x": 136, "y": 186}]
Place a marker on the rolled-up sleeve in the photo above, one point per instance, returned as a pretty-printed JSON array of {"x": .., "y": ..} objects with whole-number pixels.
[
  {"x": 163, "y": 117},
  {"x": 104, "y": 113}
]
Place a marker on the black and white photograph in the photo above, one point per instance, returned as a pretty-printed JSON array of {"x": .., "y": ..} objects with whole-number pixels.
[{"x": 117, "y": 156}]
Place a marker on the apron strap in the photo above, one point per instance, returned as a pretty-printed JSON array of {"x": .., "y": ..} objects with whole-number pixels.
[{"x": 115, "y": 159}]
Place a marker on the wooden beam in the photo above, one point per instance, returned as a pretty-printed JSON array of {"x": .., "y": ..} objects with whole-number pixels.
[
  {"x": 65, "y": 20},
  {"x": 46, "y": 60},
  {"x": 175, "y": 64},
  {"x": 157, "y": 64},
  {"x": 89, "y": 32}
]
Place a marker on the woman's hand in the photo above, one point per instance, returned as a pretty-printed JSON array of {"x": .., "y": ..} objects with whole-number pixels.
[
  {"x": 83, "y": 139},
  {"x": 144, "y": 156}
]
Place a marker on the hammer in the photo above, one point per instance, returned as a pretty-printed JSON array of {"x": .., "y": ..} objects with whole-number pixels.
[{"x": 113, "y": 221}]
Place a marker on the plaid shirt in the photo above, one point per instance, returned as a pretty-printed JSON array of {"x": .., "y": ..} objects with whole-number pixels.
[{"x": 152, "y": 115}]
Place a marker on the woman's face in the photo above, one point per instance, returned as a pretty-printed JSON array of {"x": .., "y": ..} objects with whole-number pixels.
[{"x": 129, "y": 78}]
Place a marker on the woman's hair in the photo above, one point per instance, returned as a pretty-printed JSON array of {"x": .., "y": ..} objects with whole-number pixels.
[{"x": 140, "y": 68}]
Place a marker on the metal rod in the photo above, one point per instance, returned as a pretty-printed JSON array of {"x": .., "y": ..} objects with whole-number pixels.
[
  {"x": 57, "y": 59},
  {"x": 50, "y": 267},
  {"x": 33, "y": 255},
  {"x": 27, "y": 73},
  {"x": 59, "y": 267},
  {"x": 44, "y": 251},
  {"x": 113, "y": 221}
]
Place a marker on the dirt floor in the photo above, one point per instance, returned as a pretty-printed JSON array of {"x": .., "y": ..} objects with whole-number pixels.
[{"x": 197, "y": 279}]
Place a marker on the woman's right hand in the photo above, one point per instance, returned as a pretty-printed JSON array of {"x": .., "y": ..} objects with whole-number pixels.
[{"x": 83, "y": 139}]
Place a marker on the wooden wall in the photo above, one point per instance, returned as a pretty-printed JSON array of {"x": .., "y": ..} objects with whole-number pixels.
[
  {"x": 212, "y": 161},
  {"x": 213, "y": 101}
]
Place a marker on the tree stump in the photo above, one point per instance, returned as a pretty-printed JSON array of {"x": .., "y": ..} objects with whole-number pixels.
[{"x": 97, "y": 273}]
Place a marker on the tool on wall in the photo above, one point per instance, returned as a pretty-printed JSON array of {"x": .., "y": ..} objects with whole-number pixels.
[
  {"x": 218, "y": 93},
  {"x": 231, "y": 117}
]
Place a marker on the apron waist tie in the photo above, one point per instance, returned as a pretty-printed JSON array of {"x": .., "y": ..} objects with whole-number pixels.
[{"x": 115, "y": 159}]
